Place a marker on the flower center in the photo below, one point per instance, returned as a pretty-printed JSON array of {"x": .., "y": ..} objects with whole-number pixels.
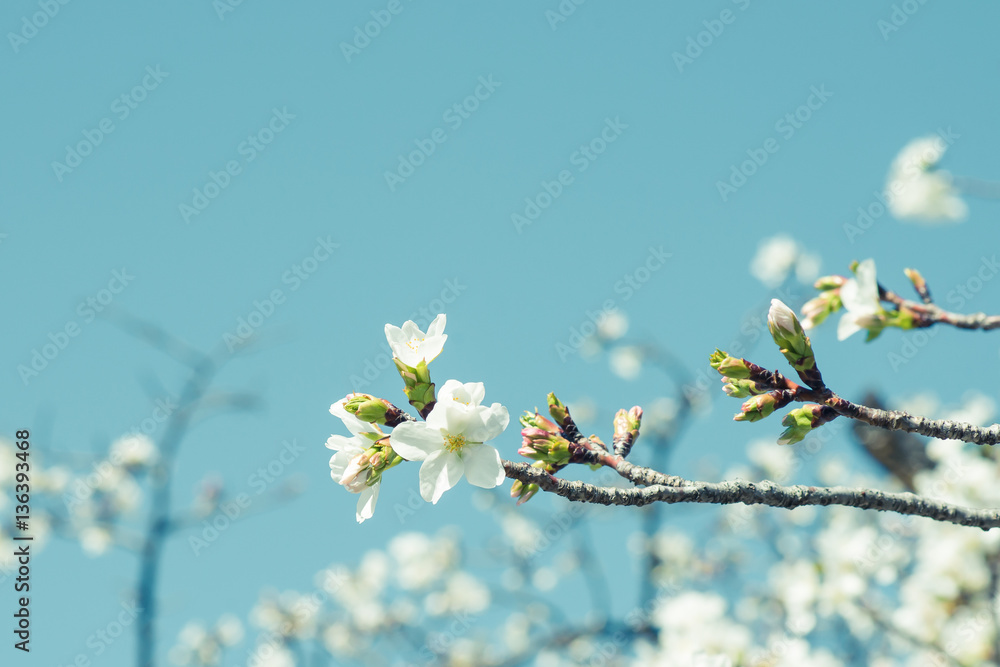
[
  {"x": 454, "y": 443},
  {"x": 414, "y": 343}
]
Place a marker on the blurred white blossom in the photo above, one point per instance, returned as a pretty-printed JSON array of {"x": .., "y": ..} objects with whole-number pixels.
[
  {"x": 612, "y": 325},
  {"x": 918, "y": 191},
  {"x": 780, "y": 255},
  {"x": 134, "y": 451},
  {"x": 626, "y": 361}
]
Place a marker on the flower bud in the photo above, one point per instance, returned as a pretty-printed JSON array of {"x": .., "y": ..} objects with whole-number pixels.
[
  {"x": 799, "y": 422},
  {"x": 818, "y": 309},
  {"x": 738, "y": 388},
  {"x": 557, "y": 409},
  {"x": 731, "y": 367},
  {"x": 918, "y": 280},
  {"x": 523, "y": 492},
  {"x": 626, "y": 423},
  {"x": 537, "y": 421},
  {"x": 356, "y": 473},
  {"x": 829, "y": 282},
  {"x": 790, "y": 337},
  {"x": 543, "y": 441},
  {"x": 367, "y": 408},
  {"x": 757, "y": 408}
]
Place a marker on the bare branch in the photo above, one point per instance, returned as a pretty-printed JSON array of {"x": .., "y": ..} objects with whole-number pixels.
[{"x": 754, "y": 493}]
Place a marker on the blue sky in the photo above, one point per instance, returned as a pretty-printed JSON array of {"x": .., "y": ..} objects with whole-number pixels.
[{"x": 297, "y": 138}]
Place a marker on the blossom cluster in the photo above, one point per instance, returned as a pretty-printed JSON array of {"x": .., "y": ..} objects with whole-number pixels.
[{"x": 450, "y": 441}]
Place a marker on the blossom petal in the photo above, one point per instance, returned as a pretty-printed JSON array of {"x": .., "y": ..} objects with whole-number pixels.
[
  {"x": 482, "y": 466},
  {"x": 399, "y": 340},
  {"x": 414, "y": 441},
  {"x": 453, "y": 417},
  {"x": 366, "y": 503},
  {"x": 847, "y": 327},
  {"x": 491, "y": 422},
  {"x": 440, "y": 472},
  {"x": 867, "y": 281},
  {"x": 339, "y": 463},
  {"x": 430, "y": 348},
  {"x": 436, "y": 327},
  {"x": 781, "y": 316},
  {"x": 470, "y": 393},
  {"x": 343, "y": 443}
]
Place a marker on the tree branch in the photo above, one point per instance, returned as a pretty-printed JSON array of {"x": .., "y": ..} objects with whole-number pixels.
[
  {"x": 755, "y": 493},
  {"x": 893, "y": 420},
  {"x": 927, "y": 313}
]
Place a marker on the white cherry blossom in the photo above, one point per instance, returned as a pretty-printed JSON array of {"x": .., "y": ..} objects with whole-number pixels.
[
  {"x": 451, "y": 443},
  {"x": 411, "y": 345}
]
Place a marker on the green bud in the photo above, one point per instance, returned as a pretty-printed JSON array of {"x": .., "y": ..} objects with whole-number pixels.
[
  {"x": 557, "y": 409},
  {"x": 818, "y": 309},
  {"x": 799, "y": 422},
  {"x": 757, "y": 408},
  {"x": 731, "y": 367},
  {"x": 741, "y": 388},
  {"x": 829, "y": 282},
  {"x": 536, "y": 420},
  {"x": 523, "y": 492},
  {"x": 367, "y": 408}
]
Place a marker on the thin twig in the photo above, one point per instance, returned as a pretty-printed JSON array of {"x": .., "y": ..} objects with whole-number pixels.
[{"x": 929, "y": 314}]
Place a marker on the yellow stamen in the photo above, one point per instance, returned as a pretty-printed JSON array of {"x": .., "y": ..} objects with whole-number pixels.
[{"x": 454, "y": 443}]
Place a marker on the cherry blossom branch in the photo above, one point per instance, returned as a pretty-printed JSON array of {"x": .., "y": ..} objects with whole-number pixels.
[
  {"x": 863, "y": 295},
  {"x": 927, "y": 313},
  {"x": 776, "y": 391},
  {"x": 770, "y": 390},
  {"x": 754, "y": 493}
]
